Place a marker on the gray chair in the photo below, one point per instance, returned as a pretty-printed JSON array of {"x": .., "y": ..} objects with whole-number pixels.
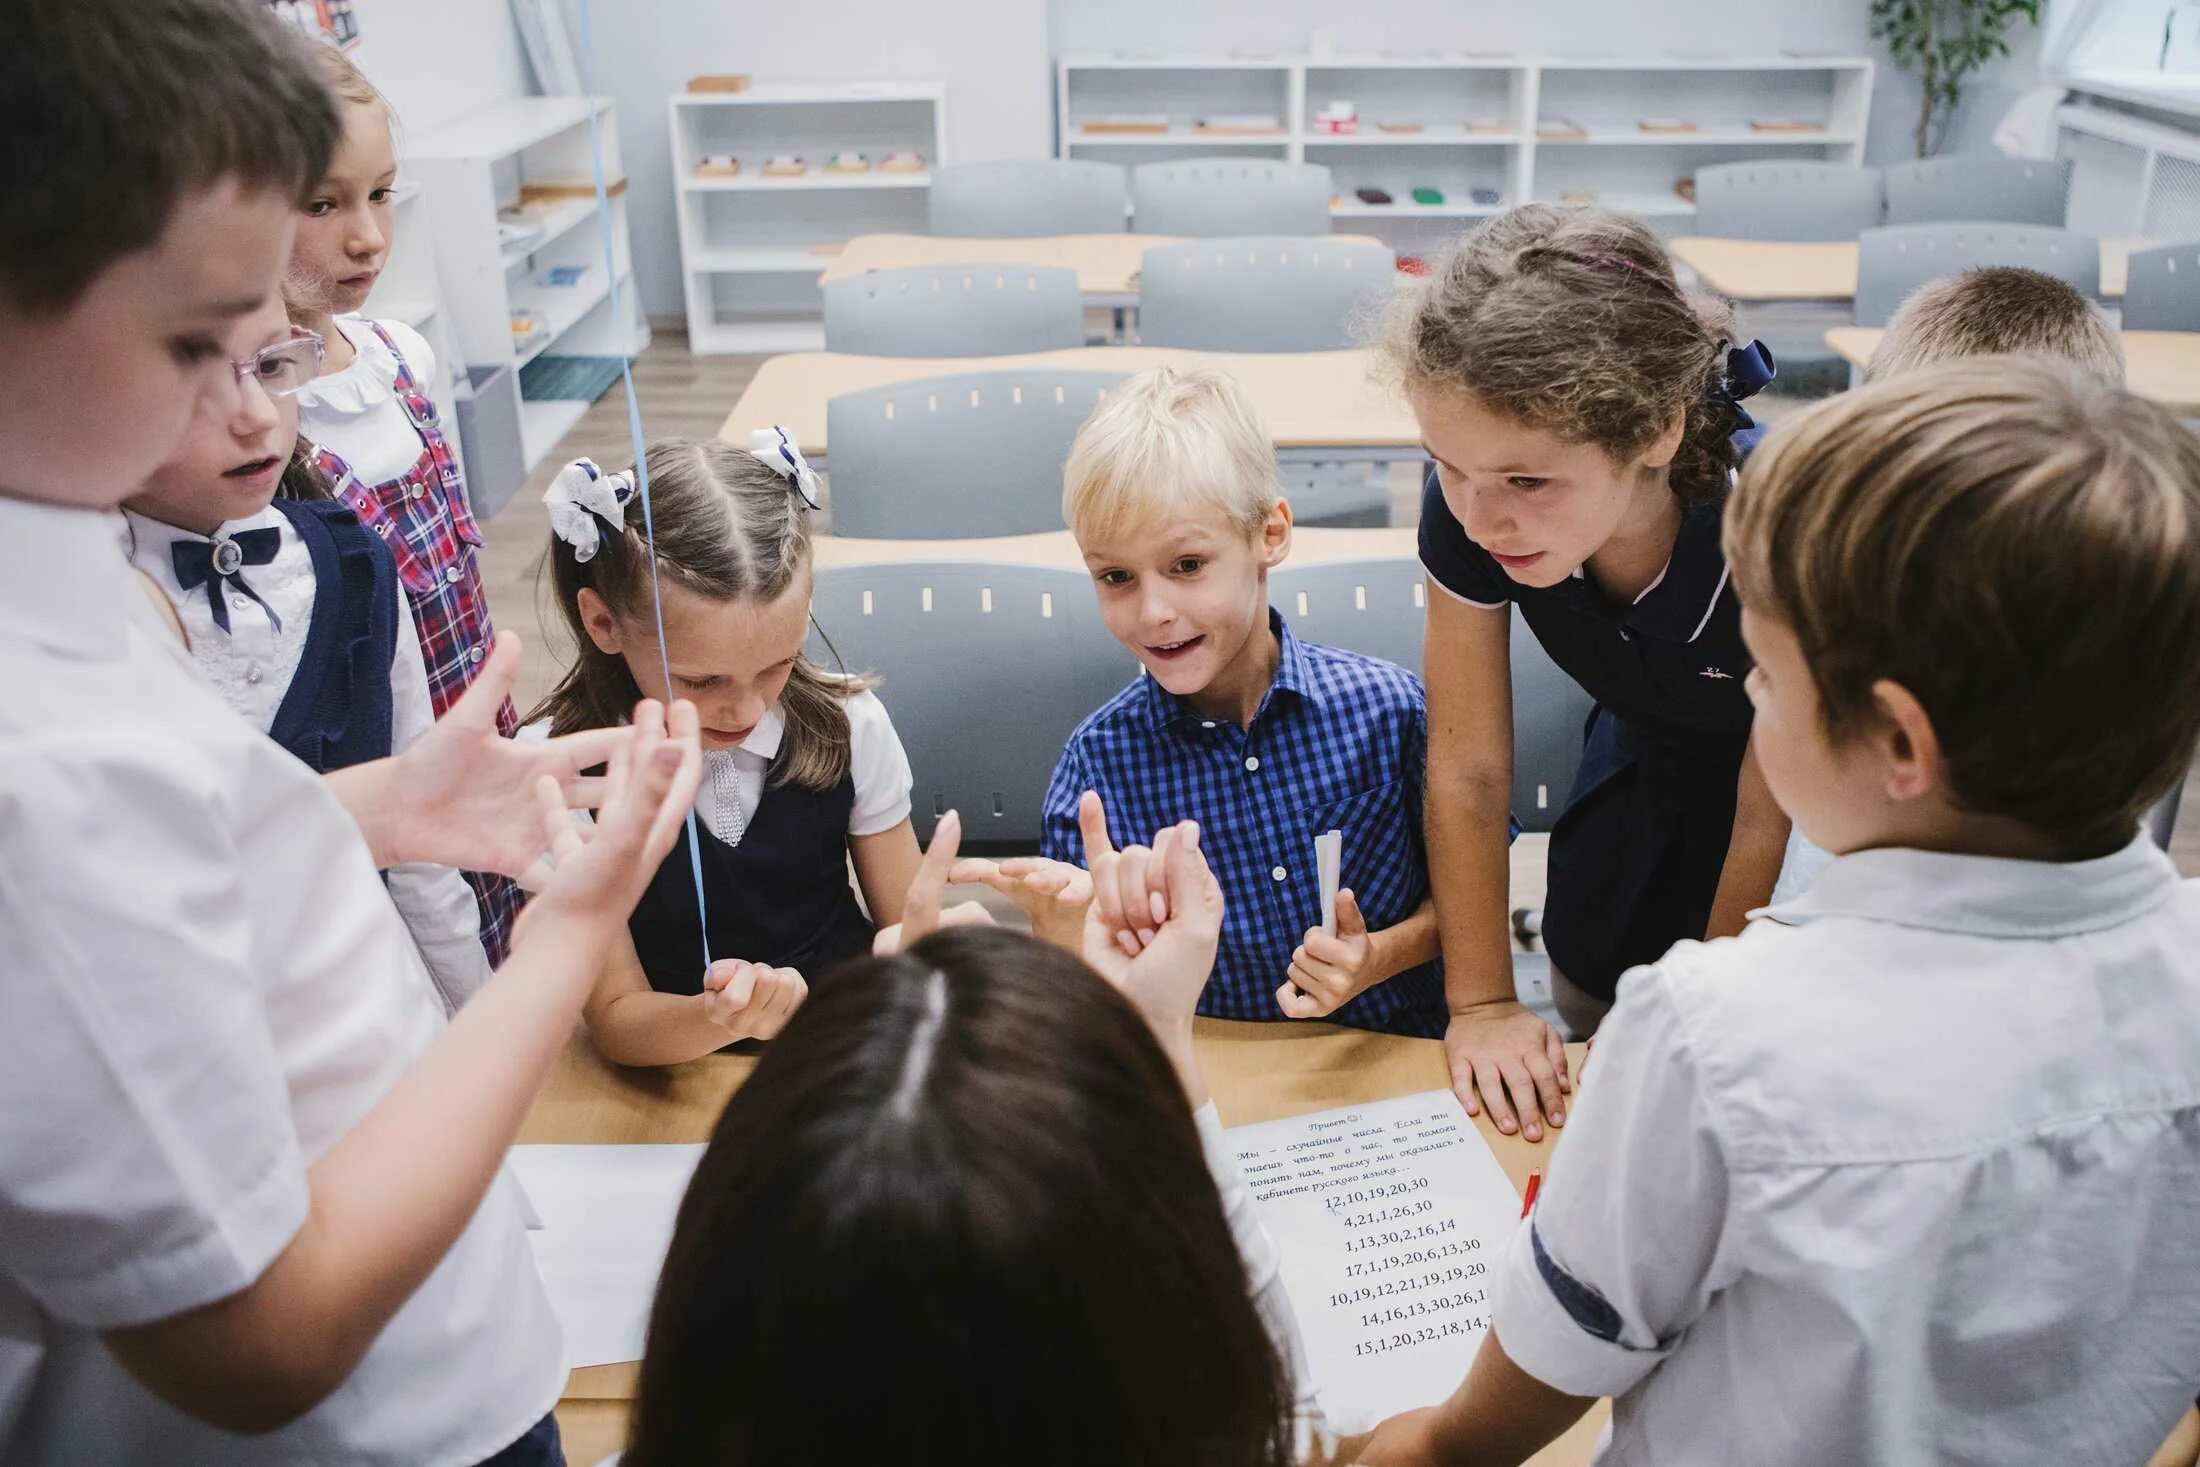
[
  {"x": 955, "y": 311},
  {"x": 1379, "y": 607},
  {"x": 1787, "y": 200},
  {"x": 947, "y": 458},
  {"x": 986, "y": 670},
  {"x": 1983, "y": 187},
  {"x": 1261, "y": 294},
  {"x": 1892, "y": 262},
  {"x": 1029, "y": 196},
  {"x": 2163, "y": 292},
  {"x": 1230, "y": 196}
]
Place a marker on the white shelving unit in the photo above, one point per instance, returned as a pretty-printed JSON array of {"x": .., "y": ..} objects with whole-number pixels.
[
  {"x": 2133, "y": 141},
  {"x": 752, "y": 245},
  {"x": 1483, "y": 122},
  {"x": 531, "y": 161}
]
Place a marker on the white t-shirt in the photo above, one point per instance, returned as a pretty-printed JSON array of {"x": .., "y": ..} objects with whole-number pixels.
[
  {"x": 355, "y": 413},
  {"x": 206, "y": 986},
  {"x": 1907, "y": 1172},
  {"x": 733, "y": 779},
  {"x": 252, "y": 664}
]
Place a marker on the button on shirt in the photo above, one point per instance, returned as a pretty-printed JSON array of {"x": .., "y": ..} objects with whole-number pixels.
[
  {"x": 1908, "y": 1172},
  {"x": 1340, "y": 743}
]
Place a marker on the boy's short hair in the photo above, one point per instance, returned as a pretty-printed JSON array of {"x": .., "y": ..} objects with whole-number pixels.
[
  {"x": 115, "y": 110},
  {"x": 2017, "y": 543},
  {"x": 1165, "y": 440},
  {"x": 1998, "y": 309}
]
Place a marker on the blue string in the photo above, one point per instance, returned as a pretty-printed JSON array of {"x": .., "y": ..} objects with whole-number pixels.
[{"x": 634, "y": 431}]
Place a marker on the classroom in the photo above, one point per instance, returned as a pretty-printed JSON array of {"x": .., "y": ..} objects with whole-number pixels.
[{"x": 1091, "y": 731}]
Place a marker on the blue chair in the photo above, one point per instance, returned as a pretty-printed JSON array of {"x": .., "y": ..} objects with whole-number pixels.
[
  {"x": 1230, "y": 196},
  {"x": 1892, "y": 262},
  {"x": 2163, "y": 290},
  {"x": 1978, "y": 188},
  {"x": 1777, "y": 200},
  {"x": 1024, "y": 197},
  {"x": 955, "y": 311},
  {"x": 1261, "y": 294}
]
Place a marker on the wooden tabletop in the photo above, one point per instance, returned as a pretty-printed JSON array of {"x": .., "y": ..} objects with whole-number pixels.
[
  {"x": 2163, "y": 366},
  {"x": 1323, "y": 399},
  {"x": 1258, "y": 1072},
  {"x": 1106, "y": 264},
  {"x": 1772, "y": 270}
]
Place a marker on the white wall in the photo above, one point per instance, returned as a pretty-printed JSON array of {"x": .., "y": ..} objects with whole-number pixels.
[
  {"x": 437, "y": 60},
  {"x": 992, "y": 55}
]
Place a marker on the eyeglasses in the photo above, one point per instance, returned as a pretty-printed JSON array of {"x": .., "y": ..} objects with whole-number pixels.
[{"x": 285, "y": 367}]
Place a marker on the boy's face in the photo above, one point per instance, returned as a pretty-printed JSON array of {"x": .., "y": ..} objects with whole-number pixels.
[
  {"x": 730, "y": 658},
  {"x": 99, "y": 395},
  {"x": 344, "y": 231},
  {"x": 230, "y": 462},
  {"x": 1836, "y": 795},
  {"x": 1187, "y": 595}
]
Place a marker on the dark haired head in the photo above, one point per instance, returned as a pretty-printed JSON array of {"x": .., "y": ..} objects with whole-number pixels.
[
  {"x": 959, "y": 1214},
  {"x": 115, "y": 110}
]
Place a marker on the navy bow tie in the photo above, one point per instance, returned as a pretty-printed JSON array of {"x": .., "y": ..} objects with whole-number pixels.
[{"x": 210, "y": 563}]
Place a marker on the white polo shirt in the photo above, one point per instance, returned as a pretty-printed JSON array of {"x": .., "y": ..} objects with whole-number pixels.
[
  {"x": 205, "y": 986},
  {"x": 1908, "y": 1173}
]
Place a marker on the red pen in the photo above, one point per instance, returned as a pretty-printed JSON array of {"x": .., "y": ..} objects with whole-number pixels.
[{"x": 1535, "y": 1185}]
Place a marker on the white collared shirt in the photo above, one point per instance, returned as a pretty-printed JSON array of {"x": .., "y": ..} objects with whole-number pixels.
[
  {"x": 252, "y": 665},
  {"x": 1909, "y": 1172},
  {"x": 205, "y": 988},
  {"x": 355, "y": 413},
  {"x": 733, "y": 779}
]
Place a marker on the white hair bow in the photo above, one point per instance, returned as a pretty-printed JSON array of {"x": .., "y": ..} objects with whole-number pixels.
[
  {"x": 581, "y": 495},
  {"x": 775, "y": 446}
]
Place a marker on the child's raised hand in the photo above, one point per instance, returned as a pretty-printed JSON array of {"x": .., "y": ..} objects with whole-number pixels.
[
  {"x": 1155, "y": 920},
  {"x": 599, "y": 871},
  {"x": 751, "y": 1000},
  {"x": 924, "y": 912},
  {"x": 1329, "y": 970},
  {"x": 1053, "y": 894}
]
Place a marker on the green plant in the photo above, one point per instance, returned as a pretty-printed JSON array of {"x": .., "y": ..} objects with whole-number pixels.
[{"x": 1944, "y": 41}]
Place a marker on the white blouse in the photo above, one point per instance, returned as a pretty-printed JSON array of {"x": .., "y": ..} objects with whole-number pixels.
[
  {"x": 355, "y": 413},
  {"x": 733, "y": 779}
]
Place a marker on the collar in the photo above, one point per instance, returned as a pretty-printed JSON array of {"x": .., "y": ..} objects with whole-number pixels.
[
  {"x": 1677, "y": 606},
  {"x": 1987, "y": 896},
  {"x": 146, "y": 541},
  {"x": 1293, "y": 675},
  {"x": 62, "y": 583},
  {"x": 764, "y": 740}
]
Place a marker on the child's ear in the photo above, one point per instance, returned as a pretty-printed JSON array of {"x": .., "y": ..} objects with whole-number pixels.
[
  {"x": 1275, "y": 535},
  {"x": 1661, "y": 453},
  {"x": 602, "y": 625},
  {"x": 1914, "y": 764}
]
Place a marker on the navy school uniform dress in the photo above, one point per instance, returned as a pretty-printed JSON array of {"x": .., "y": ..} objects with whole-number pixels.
[{"x": 1637, "y": 851}]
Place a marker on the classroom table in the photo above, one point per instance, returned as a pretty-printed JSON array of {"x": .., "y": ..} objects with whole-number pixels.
[
  {"x": 1107, "y": 265},
  {"x": 1258, "y": 1072},
  {"x": 2162, "y": 366},
  {"x": 1322, "y": 405},
  {"x": 1757, "y": 271}
]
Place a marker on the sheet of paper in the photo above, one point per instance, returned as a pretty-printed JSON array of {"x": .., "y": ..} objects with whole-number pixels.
[
  {"x": 1328, "y": 854},
  {"x": 606, "y": 1220},
  {"x": 1391, "y": 1218}
]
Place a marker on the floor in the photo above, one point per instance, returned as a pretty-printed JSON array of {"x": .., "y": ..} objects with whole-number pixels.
[{"x": 684, "y": 396}]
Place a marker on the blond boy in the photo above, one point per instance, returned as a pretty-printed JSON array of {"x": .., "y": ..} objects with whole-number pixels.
[
  {"x": 1907, "y": 1173},
  {"x": 1265, "y": 740}
]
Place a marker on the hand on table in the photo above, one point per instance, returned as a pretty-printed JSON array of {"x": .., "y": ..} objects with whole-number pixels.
[
  {"x": 1329, "y": 970},
  {"x": 1507, "y": 1059},
  {"x": 751, "y": 1000}
]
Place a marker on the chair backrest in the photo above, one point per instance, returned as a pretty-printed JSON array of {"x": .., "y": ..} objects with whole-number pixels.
[
  {"x": 1230, "y": 196},
  {"x": 955, "y": 311},
  {"x": 1020, "y": 197},
  {"x": 946, "y": 458},
  {"x": 1261, "y": 294},
  {"x": 1781, "y": 200},
  {"x": 2163, "y": 292},
  {"x": 1892, "y": 262},
  {"x": 1979, "y": 187},
  {"x": 1379, "y": 607},
  {"x": 986, "y": 670}
]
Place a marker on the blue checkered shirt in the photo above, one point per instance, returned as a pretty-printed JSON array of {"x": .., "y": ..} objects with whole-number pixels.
[{"x": 1340, "y": 743}]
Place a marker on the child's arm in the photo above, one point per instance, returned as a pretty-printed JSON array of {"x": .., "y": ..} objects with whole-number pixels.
[
  {"x": 1753, "y": 853},
  {"x": 885, "y": 865},
  {"x": 631, "y": 1023},
  {"x": 1330, "y": 970},
  {"x": 1499, "y": 1416},
  {"x": 1501, "y": 1055},
  {"x": 390, "y": 1197}
]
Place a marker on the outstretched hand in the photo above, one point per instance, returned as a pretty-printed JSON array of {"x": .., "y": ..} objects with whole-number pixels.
[
  {"x": 924, "y": 911},
  {"x": 1053, "y": 894},
  {"x": 1154, "y": 922}
]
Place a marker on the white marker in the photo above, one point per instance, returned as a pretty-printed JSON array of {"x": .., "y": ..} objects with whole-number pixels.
[{"x": 1328, "y": 853}]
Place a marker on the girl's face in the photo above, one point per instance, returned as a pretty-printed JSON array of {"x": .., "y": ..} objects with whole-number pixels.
[
  {"x": 344, "y": 233},
  {"x": 729, "y": 658},
  {"x": 1539, "y": 505},
  {"x": 232, "y": 455}
]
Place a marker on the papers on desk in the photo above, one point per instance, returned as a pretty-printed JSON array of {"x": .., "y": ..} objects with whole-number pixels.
[
  {"x": 1391, "y": 1219},
  {"x": 605, "y": 1220}
]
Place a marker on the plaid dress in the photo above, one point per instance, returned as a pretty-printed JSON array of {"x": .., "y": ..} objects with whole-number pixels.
[{"x": 424, "y": 517}]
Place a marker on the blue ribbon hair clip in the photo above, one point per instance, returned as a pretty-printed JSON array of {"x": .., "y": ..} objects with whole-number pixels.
[{"x": 1749, "y": 369}]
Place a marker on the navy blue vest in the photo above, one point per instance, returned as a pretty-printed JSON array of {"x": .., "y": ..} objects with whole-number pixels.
[
  {"x": 337, "y": 711},
  {"x": 779, "y": 897}
]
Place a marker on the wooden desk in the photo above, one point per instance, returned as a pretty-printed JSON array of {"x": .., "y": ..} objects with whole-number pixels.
[
  {"x": 1258, "y": 1072},
  {"x": 1755, "y": 271},
  {"x": 1107, "y": 265},
  {"x": 2163, "y": 366},
  {"x": 1310, "y": 400}
]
